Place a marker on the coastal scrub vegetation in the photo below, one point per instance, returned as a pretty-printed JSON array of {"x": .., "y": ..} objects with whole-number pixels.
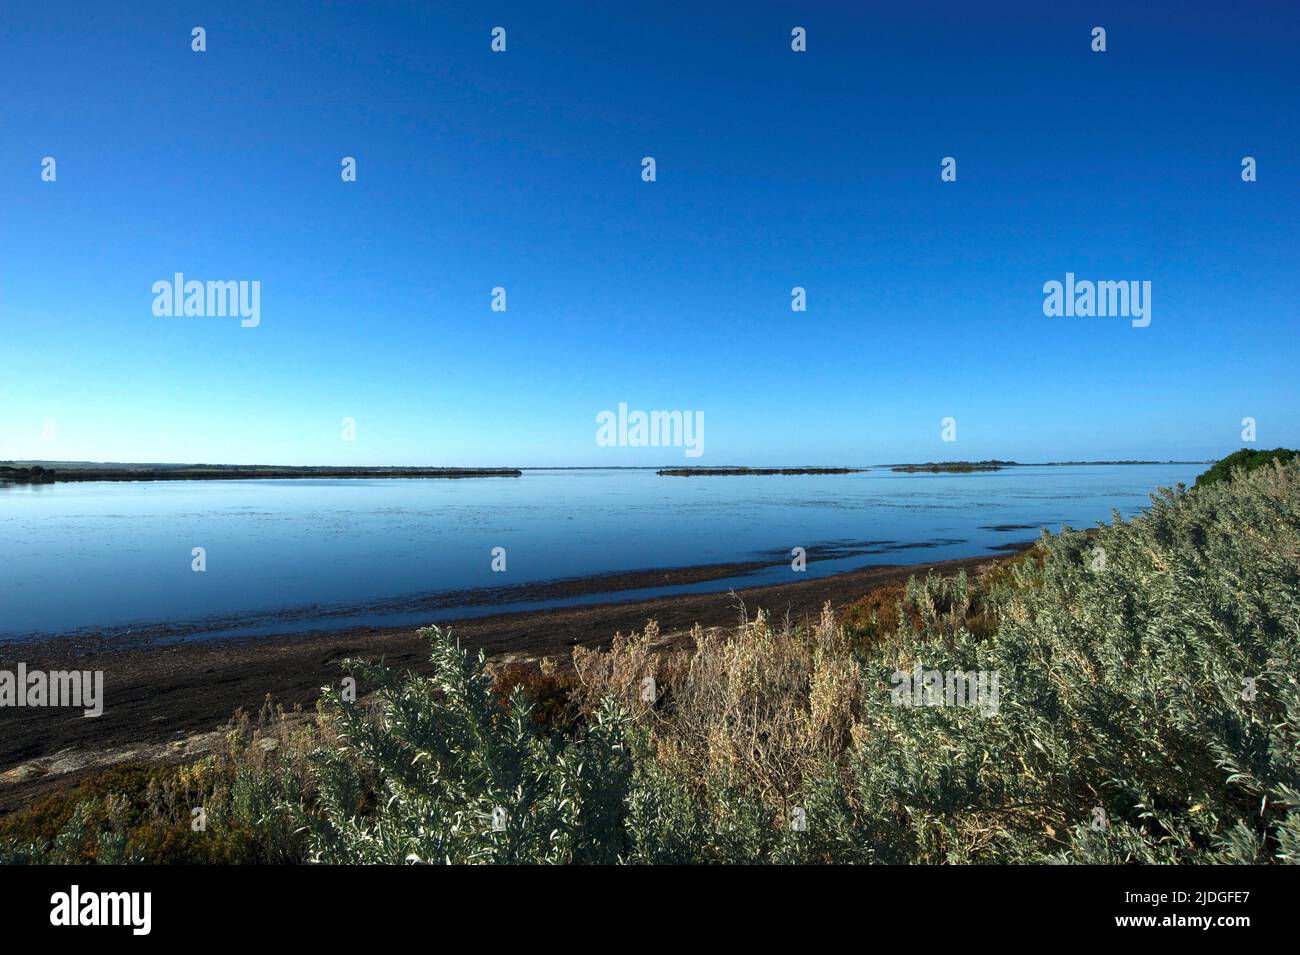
[
  {"x": 1247, "y": 459},
  {"x": 1147, "y": 711}
]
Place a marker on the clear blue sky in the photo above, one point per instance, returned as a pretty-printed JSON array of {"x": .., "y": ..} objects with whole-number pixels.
[{"x": 522, "y": 170}]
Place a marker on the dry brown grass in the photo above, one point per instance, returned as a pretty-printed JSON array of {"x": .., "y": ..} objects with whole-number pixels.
[
  {"x": 623, "y": 672},
  {"x": 761, "y": 706}
]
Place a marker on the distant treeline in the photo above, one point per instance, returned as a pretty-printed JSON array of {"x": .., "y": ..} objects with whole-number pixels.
[
  {"x": 995, "y": 465},
  {"x": 32, "y": 475},
  {"x": 1066, "y": 464}
]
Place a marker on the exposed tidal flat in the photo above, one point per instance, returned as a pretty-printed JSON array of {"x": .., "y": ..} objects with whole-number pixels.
[{"x": 167, "y": 699}]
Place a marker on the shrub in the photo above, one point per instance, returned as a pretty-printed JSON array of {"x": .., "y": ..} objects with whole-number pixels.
[
  {"x": 871, "y": 618},
  {"x": 145, "y": 813},
  {"x": 1243, "y": 461},
  {"x": 553, "y": 694},
  {"x": 443, "y": 760}
]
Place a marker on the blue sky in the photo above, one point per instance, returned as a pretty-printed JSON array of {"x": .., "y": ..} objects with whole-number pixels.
[{"x": 522, "y": 170}]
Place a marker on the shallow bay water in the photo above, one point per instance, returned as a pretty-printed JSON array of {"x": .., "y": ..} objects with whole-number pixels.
[{"x": 302, "y": 554}]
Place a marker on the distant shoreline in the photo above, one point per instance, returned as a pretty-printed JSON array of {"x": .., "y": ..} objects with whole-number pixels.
[
  {"x": 995, "y": 465},
  {"x": 727, "y": 472},
  {"x": 215, "y": 472},
  {"x": 53, "y": 472}
]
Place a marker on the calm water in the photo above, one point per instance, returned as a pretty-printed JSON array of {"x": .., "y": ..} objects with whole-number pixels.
[{"x": 287, "y": 555}]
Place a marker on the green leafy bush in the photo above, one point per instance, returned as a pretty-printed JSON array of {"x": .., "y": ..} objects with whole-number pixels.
[
  {"x": 434, "y": 770},
  {"x": 1245, "y": 460}
]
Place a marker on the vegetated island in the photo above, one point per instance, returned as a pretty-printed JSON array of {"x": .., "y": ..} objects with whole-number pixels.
[
  {"x": 943, "y": 467},
  {"x": 79, "y": 471},
  {"x": 727, "y": 472}
]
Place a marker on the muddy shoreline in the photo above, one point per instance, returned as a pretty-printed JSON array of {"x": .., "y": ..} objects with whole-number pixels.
[
  {"x": 316, "y": 619},
  {"x": 162, "y": 697}
]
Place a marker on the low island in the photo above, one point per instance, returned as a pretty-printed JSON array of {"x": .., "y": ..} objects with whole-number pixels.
[
  {"x": 39, "y": 474},
  {"x": 945, "y": 467},
  {"x": 729, "y": 472}
]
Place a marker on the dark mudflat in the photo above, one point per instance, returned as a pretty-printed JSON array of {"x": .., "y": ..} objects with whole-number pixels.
[{"x": 164, "y": 693}]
